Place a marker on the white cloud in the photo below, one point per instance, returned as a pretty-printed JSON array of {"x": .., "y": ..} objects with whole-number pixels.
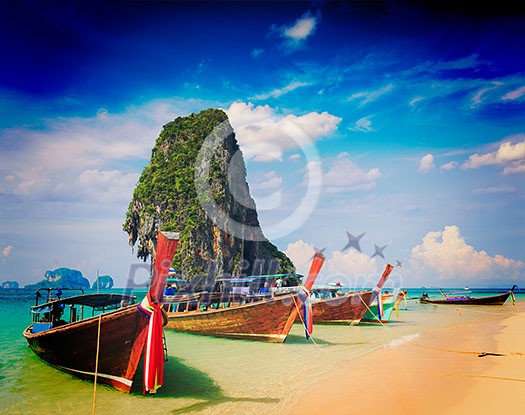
[
  {"x": 479, "y": 96},
  {"x": 366, "y": 97},
  {"x": 294, "y": 35},
  {"x": 271, "y": 181},
  {"x": 449, "y": 166},
  {"x": 345, "y": 175},
  {"x": 275, "y": 93},
  {"x": 7, "y": 250},
  {"x": 301, "y": 29},
  {"x": 447, "y": 257},
  {"x": 348, "y": 267},
  {"x": 509, "y": 155},
  {"x": 513, "y": 95},
  {"x": 363, "y": 125},
  {"x": 426, "y": 163},
  {"x": 301, "y": 254},
  {"x": 352, "y": 268},
  {"x": 415, "y": 101},
  {"x": 265, "y": 135},
  {"x": 495, "y": 189},
  {"x": 516, "y": 169},
  {"x": 75, "y": 158}
]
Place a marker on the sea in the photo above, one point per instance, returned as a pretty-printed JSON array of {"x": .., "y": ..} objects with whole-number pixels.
[{"x": 208, "y": 375}]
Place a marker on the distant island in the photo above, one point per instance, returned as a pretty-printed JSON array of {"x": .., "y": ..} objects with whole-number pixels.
[
  {"x": 103, "y": 282},
  {"x": 61, "y": 278},
  {"x": 10, "y": 285}
]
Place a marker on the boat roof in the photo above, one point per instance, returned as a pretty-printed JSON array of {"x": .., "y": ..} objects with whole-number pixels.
[
  {"x": 251, "y": 278},
  {"x": 174, "y": 279},
  {"x": 90, "y": 300}
]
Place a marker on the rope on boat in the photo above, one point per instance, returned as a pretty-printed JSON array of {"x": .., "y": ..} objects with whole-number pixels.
[
  {"x": 368, "y": 308},
  {"x": 96, "y": 366}
]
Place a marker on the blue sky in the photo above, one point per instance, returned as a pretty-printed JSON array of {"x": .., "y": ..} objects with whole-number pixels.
[{"x": 401, "y": 121}]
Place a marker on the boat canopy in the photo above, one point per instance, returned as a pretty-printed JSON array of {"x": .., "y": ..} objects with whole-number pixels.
[{"x": 95, "y": 301}]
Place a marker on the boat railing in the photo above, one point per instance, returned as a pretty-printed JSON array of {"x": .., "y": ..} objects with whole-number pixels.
[
  {"x": 61, "y": 311},
  {"x": 455, "y": 294},
  {"x": 204, "y": 301}
]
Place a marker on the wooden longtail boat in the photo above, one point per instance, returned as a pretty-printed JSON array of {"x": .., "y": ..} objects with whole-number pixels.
[
  {"x": 235, "y": 316},
  {"x": 106, "y": 346},
  {"x": 383, "y": 314},
  {"x": 349, "y": 308},
  {"x": 466, "y": 299}
]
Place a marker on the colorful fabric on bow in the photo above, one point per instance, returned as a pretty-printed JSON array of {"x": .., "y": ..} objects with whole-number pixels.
[
  {"x": 154, "y": 352},
  {"x": 379, "y": 306},
  {"x": 304, "y": 296}
]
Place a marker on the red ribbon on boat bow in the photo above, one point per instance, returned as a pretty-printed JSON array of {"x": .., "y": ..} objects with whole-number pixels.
[
  {"x": 151, "y": 306},
  {"x": 154, "y": 352}
]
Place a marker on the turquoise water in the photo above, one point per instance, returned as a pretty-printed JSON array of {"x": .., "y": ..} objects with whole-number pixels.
[{"x": 206, "y": 375}]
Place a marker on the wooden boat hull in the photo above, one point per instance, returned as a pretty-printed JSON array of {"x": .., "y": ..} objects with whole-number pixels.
[
  {"x": 72, "y": 347},
  {"x": 267, "y": 320},
  {"x": 492, "y": 300},
  {"x": 347, "y": 309},
  {"x": 371, "y": 313}
]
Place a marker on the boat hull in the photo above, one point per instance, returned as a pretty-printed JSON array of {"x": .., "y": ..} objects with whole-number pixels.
[
  {"x": 371, "y": 313},
  {"x": 492, "y": 300},
  {"x": 347, "y": 309},
  {"x": 267, "y": 320},
  {"x": 72, "y": 347}
]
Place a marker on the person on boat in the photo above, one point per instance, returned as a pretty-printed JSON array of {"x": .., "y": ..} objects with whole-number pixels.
[
  {"x": 56, "y": 313},
  {"x": 424, "y": 296},
  {"x": 170, "y": 289}
]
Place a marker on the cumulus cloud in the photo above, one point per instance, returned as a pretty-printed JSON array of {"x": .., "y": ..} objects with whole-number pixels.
[
  {"x": 449, "y": 166},
  {"x": 509, "y": 155},
  {"x": 7, "y": 250},
  {"x": 445, "y": 256},
  {"x": 265, "y": 135},
  {"x": 352, "y": 268},
  {"x": 344, "y": 175},
  {"x": 366, "y": 97},
  {"x": 76, "y": 157},
  {"x": 426, "y": 163},
  {"x": 301, "y": 253}
]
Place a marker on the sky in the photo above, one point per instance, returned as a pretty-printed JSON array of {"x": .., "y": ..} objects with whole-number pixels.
[{"x": 400, "y": 121}]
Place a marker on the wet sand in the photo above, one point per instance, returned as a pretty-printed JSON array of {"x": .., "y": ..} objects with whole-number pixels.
[{"x": 464, "y": 369}]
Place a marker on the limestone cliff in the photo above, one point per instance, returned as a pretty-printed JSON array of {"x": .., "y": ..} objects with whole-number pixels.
[
  {"x": 103, "y": 282},
  {"x": 195, "y": 184}
]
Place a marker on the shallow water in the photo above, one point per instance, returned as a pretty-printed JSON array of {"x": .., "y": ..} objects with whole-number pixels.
[{"x": 207, "y": 375}]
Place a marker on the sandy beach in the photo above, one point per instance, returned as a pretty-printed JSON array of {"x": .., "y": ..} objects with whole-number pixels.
[{"x": 464, "y": 369}]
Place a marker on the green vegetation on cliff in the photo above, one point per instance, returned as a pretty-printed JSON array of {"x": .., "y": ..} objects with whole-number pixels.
[
  {"x": 61, "y": 278},
  {"x": 219, "y": 227}
]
